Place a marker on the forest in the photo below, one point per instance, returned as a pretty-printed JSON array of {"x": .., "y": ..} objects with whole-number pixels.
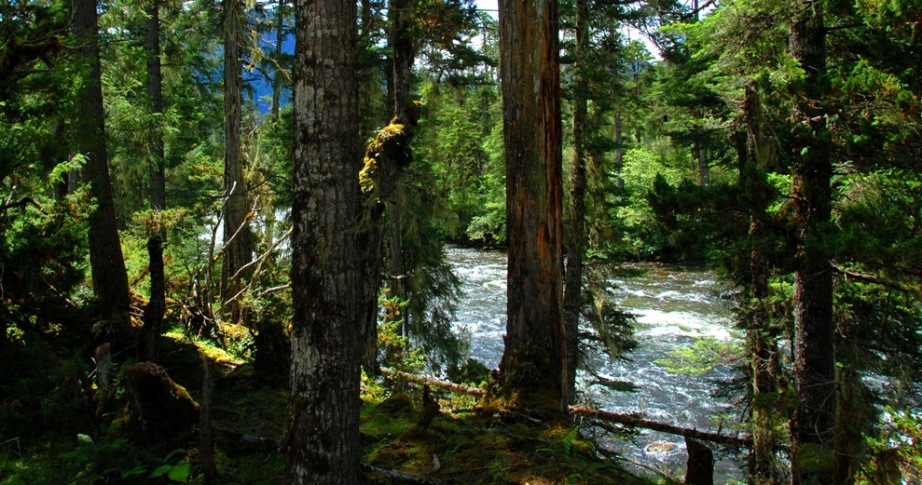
[{"x": 225, "y": 230}]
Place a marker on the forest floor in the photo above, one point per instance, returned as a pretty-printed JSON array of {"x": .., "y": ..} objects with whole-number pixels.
[{"x": 403, "y": 440}]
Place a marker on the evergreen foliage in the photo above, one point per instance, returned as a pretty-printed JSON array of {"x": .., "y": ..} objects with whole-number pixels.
[{"x": 688, "y": 158}]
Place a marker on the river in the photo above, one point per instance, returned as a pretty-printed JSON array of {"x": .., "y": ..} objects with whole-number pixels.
[{"x": 673, "y": 306}]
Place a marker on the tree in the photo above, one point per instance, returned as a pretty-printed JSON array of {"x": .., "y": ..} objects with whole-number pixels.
[
  {"x": 156, "y": 306},
  {"x": 814, "y": 361},
  {"x": 576, "y": 247},
  {"x": 110, "y": 280},
  {"x": 322, "y": 443},
  {"x": 237, "y": 238},
  {"x": 535, "y": 358},
  {"x": 757, "y": 155}
]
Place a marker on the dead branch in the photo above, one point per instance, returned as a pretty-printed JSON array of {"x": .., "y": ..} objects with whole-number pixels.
[
  {"x": 449, "y": 386},
  {"x": 395, "y": 475},
  {"x": 634, "y": 421}
]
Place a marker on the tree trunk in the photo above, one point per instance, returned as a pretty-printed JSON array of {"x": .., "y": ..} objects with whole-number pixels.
[
  {"x": 389, "y": 178},
  {"x": 535, "y": 358},
  {"x": 110, "y": 280},
  {"x": 322, "y": 443},
  {"x": 205, "y": 428},
  {"x": 575, "y": 251},
  {"x": 402, "y": 42},
  {"x": 619, "y": 150},
  {"x": 156, "y": 306},
  {"x": 760, "y": 338},
  {"x": 700, "y": 153},
  {"x": 700, "y": 465},
  {"x": 276, "y": 77},
  {"x": 814, "y": 365},
  {"x": 237, "y": 252}
]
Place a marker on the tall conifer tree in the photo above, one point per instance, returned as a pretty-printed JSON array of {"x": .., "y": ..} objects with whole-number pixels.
[
  {"x": 327, "y": 271},
  {"x": 535, "y": 359}
]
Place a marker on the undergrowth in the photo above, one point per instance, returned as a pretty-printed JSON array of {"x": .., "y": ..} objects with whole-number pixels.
[{"x": 464, "y": 441}]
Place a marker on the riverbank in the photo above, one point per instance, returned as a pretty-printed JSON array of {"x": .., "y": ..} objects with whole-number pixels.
[{"x": 675, "y": 308}]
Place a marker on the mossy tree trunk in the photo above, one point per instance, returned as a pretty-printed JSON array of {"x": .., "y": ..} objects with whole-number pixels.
[
  {"x": 237, "y": 237},
  {"x": 107, "y": 263},
  {"x": 322, "y": 443},
  {"x": 389, "y": 176},
  {"x": 755, "y": 154},
  {"x": 575, "y": 251},
  {"x": 814, "y": 365},
  {"x": 534, "y": 363}
]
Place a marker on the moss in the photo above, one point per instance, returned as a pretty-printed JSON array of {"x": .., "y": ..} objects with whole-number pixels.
[
  {"x": 814, "y": 460},
  {"x": 479, "y": 446},
  {"x": 390, "y": 146}
]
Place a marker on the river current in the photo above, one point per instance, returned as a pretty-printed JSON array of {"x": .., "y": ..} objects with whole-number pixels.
[{"x": 674, "y": 307}]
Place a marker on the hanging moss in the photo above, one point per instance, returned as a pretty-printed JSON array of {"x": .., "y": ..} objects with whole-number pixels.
[{"x": 389, "y": 151}]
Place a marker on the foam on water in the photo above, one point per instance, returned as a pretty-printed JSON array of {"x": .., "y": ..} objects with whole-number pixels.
[{"x": 673, "y": 308}]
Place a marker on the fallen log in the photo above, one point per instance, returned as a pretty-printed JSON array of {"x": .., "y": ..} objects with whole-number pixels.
[
  {"x": 396, "y": 476},
  {"x": 634, "y": 421},
  {"x": 449, "y": 386},
  {"x": 625, "y": 419}
]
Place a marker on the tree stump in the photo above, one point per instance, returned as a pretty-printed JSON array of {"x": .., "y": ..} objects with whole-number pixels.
[
  {"x": 163, "y": 410},
  {"x": 700, "y": 469}
]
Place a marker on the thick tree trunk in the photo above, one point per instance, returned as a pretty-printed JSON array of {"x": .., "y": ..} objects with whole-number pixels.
[
  {"x": 156, "y": 306},
  {"x": 238, "y": 250},
  {"x": 535, "y": 359},
  {"x": 814, "y": 366},
  {"x": 323, "y": 430},
  {"x": 110, "y": 280},
  {"x": 575, "y": 251}
]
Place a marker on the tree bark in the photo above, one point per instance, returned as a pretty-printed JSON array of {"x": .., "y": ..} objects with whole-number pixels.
[
  {"x": 619, "y": 150},
  {"x": 205, "y": 427},
  {"x": 701, "y": 157},
  {"x": 763, "y": 364},
  {"x": 322, "y": 442},
  {"x": 402, "y": 43},
  {"x": 276, "y": 77},
  {"x": 814, "y": 365},
  {"x": 575, "y": 251},
  {"x": 700, "y": 465},
  {"x": 535, "y": 358},
  {"x": 156, "y": 306},
  {"x": 110, "y": 280},
  {"x": 389, "y": 178},
  {"x": 238, "y": 250}
]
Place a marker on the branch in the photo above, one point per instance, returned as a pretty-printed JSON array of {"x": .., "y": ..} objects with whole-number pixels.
[
  {"x": 631, "y": 420},
  {"x": 274, "y": 289},
  {"x": 449, "y": 386},
  {"x": 395, "y": 475},
  {"x": 871, "y": 278},
  {"x": 262, "y": 257}
]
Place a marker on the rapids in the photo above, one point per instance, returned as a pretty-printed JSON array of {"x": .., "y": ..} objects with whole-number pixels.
[{"x": 674, "y": 307}]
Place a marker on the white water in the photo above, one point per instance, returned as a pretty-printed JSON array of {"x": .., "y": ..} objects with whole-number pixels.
[{"x": 673, "y": 307}]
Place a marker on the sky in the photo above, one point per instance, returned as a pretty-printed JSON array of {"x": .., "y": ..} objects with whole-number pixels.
[{"x": 492, "y": 6}]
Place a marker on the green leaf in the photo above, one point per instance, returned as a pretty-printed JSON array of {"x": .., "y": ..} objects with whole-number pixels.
[
  {"x": 180, "y": 473},
  {"x": 161, "y": 471}
]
